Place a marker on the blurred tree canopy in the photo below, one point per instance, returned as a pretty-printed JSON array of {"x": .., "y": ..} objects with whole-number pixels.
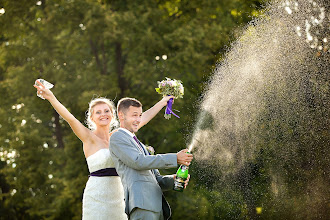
[{"x": 101, "y": 48}]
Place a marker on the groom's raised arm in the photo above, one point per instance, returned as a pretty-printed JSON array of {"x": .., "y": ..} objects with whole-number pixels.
[{"x": 123, "y": 148}]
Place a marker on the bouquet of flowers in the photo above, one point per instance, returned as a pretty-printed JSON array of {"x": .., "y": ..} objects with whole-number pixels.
[{"x": 170, "y": 87}]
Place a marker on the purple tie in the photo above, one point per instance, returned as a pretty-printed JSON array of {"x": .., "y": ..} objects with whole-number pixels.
[
  {"x": 139, "y": 144},
  {"x": 143, "y": 150}
]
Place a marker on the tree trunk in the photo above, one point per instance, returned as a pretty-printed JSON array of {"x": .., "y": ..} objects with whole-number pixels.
[
  {"x": 101, "y": 65},
  {"x": 120, "y": 61},
  {"x": 58, "y": 132}
]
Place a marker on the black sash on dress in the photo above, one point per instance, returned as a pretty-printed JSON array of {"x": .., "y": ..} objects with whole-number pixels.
[{"x": 105, "y": 172}]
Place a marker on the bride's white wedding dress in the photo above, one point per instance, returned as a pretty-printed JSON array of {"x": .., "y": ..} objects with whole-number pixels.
[{"x": 103, "y": 196}]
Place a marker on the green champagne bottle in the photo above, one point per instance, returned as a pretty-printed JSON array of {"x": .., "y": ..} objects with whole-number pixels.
[{"x": 181, "y": 176}]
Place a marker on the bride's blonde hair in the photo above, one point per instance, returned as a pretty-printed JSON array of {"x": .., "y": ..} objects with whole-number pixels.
[{"x": 101, "y": 100}]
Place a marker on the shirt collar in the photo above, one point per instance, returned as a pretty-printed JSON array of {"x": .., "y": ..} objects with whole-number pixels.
[{"x": 127, "y": 131}]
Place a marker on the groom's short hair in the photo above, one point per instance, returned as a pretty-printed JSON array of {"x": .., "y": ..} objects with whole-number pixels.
[{"x": 124, "y": 104}]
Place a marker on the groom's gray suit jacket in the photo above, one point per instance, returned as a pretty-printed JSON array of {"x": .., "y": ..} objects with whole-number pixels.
[{"x": 141, "y": 180}]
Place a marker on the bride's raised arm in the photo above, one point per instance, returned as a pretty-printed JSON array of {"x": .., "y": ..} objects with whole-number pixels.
[
  {"x": 78, "y": 128},
  {"x": 152, "y": 112}
]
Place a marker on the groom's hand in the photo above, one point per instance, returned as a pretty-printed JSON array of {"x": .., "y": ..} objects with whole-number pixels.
[
  {"x": 165, "y": 99},
  {"x": 183, "y": 157},
  {"x": 186, "y": 182}
]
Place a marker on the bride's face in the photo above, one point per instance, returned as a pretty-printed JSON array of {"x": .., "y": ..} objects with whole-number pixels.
[{"x": 102, "y": 115}]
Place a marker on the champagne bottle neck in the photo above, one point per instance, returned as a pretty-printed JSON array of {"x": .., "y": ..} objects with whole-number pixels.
[{"x": 184, "y": 167}]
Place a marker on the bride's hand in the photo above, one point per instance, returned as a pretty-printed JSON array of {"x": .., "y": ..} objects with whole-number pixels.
[{"x": 43, "y": 91}]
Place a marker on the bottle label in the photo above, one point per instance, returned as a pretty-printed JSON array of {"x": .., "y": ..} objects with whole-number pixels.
[{"x": 179, "y": 184}]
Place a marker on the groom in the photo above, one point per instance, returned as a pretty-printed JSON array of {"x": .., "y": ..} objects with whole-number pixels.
[{"x": 141, "y": 180}]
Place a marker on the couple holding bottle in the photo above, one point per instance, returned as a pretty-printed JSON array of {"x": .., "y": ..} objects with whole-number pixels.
[{"x": 124, "y": 181}]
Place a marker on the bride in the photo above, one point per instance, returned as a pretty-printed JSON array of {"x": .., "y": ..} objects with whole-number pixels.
[{"x": 103, "y": 195}]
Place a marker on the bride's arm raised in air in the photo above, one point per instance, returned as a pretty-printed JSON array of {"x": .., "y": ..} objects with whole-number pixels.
[
  {"x": 78, "y": 128},
  {"x": 151, "y": 112}
]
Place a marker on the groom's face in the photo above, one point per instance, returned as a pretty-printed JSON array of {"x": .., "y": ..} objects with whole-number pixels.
[{"x": 132, "y": 118}]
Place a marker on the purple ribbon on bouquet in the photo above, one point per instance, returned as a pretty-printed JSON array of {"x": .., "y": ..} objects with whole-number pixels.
[{"x": 168, "y": 110}]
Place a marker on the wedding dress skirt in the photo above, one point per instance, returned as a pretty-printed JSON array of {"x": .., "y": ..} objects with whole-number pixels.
[{"x": 103, "y": 196}]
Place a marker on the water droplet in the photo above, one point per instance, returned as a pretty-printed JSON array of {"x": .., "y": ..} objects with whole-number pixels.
[{"x": 288, "y": 10}]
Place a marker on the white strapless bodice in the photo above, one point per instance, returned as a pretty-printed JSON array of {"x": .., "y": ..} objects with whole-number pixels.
[
  {"x": 99, "y": 160},
  {"x": 103, "y": 196}
]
